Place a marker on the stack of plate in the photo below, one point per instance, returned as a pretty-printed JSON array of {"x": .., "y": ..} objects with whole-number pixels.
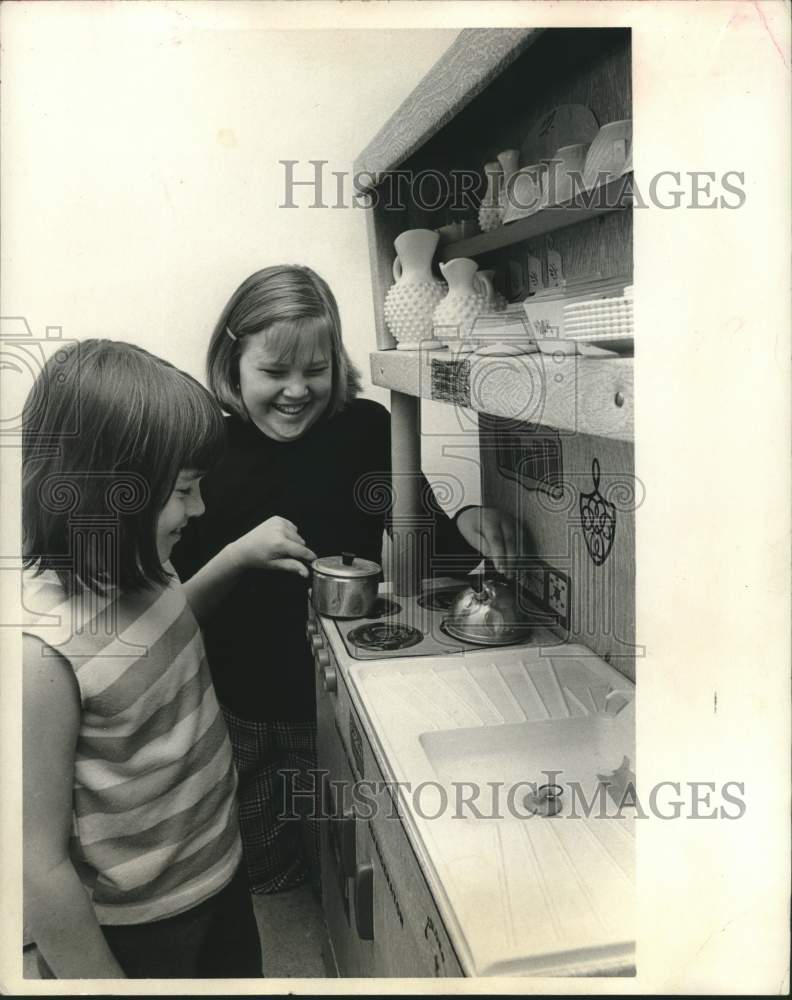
[{"x": 606, "y": 321}]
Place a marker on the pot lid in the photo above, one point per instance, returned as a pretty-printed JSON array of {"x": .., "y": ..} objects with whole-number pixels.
[{"x": 346, "y": 565}]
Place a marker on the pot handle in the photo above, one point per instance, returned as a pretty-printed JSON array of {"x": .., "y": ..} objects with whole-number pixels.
[{"x": 397, "y": 268}]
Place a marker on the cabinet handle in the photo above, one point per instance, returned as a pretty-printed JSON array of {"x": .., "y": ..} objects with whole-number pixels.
[{"x": 364, "y": 900}]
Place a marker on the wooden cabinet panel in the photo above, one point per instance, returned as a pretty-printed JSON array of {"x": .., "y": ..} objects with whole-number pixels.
[
  {"x": 336, "y": 899},
  {"x": 380, "y": 913}
]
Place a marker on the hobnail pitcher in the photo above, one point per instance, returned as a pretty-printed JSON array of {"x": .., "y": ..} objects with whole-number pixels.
[
  {"x": 411, "y": 300},
  {"x": 466, "y": 301}
]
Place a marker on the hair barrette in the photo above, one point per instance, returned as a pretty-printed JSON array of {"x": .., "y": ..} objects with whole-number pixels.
[{"x": 231, "y": 335}]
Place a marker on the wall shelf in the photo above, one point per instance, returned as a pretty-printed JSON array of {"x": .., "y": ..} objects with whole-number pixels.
[
  {"x": 490, "y": 92},
  {"x": 614, "y": 196},
  {"x": 476, "y": 58},
  {"x": 573, "y": 394}
]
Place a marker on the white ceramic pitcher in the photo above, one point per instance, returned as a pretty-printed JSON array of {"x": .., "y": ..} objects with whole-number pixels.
[
  {"x": 411, "y": 300},
  {"x": 466, "y": 300}
]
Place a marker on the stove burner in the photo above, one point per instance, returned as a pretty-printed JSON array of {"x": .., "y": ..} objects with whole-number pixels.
[
  {"x": 440, "y": 599},
  {"x": 384, "y": 636},
  {"x": 383, "y": 608}
]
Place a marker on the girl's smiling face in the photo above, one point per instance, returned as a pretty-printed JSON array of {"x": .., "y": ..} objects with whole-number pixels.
[
  {"x": 184, "y": 502},
  {"x": 286, "y": 379}
]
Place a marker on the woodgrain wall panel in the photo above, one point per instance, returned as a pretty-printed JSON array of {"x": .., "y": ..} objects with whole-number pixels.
[{"x": 602, "y": 599}]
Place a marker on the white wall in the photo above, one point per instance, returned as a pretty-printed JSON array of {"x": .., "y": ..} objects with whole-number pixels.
[{"x": 141, "y": 173}]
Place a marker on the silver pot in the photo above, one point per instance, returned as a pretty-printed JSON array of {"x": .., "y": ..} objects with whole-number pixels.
[
  {"x": 344, "y": 586},
  {"x": 488, "y": 613}
]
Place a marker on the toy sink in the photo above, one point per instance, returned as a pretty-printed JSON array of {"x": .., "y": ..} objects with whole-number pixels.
[{"x": 578, "y": 755}]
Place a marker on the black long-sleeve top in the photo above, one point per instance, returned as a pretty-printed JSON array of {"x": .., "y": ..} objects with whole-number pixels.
[{"x": 332, "y": 483}]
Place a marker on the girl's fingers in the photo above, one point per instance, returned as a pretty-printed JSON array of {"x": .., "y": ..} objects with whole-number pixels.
[
  {"x": 497, "y": 552},
  {"x": 510, "y": 538},
  {"x": 479, "y": 542},
  {"x": 296, "y": 550},
  {"x": 290, "y": 566},
  {"x": 496, "y": 542}
]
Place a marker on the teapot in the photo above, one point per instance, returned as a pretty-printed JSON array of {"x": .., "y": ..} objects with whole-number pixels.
[{"x": 488, "y": 613}]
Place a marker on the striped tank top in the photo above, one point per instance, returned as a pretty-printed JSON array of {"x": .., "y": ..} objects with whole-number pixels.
[{"x": 154, "y": 826}]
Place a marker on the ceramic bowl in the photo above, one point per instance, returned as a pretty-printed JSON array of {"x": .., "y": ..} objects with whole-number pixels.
[
  {"x": 524, "y": 196},
  {"x": 609, "y": 154},
  {"x": 567, "y": 160},
  {"x": 557, "y": 345},
  {"x": 457, "y": 231}
]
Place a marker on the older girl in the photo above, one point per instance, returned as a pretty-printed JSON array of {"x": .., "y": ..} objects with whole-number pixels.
[{"x": 302, "y": 446}]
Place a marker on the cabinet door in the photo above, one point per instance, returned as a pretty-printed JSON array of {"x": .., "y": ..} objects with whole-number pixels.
[
  {"x": 380, "y": 913},
  {"x": 336, "y": 834},
  {"x": 409, "y": 938}
]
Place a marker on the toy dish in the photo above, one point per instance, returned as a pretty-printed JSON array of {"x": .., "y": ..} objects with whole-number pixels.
[
  {"x": 557, "y": 345},
  {"x": 558, "y": 186},
  {"x": 504, "y": 350},
  {"x": 564, "y": 125},
  {"x": 456, "y": 231},
  {"x": 609, "y": 153},
  {"x": 620, "y": 343},
  {"x": 524, "y": 194}
]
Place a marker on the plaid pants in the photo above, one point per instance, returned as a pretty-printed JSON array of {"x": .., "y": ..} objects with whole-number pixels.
[{"x": 280, "y": 852}]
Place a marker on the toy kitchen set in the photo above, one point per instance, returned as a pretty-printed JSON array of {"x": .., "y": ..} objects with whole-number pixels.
[{"x": 490, "y": 720}]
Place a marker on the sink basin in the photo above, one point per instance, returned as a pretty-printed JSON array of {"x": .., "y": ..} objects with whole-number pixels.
[
  {"x": 576, "y": 751},
  {"x": 558, "y": 896}
]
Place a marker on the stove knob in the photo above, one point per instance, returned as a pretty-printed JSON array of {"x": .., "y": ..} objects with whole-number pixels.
[
  {"x": 322, "y": 659},
  {"x": 317, "y": 641},
  {"x": 329, "y": 677},
  {"x": 312, "y": 627}
]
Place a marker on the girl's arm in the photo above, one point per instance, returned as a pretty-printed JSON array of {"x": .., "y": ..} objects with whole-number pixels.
[
  {"x": 275, "y": 544},
  {"x": 459, "y": 543},
  {"x": 58, "y": 911},
  {"x": 492, "y": 532}
]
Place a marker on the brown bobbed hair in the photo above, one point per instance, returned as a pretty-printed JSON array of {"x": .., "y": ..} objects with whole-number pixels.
[
  {"x": 294, "y": 305},
  {"x": 107, "y": 427}
]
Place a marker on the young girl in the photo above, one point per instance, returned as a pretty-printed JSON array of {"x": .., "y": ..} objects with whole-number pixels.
[
  {"x": 299, "y": 445},
  {"x": 131, "y": 842}
]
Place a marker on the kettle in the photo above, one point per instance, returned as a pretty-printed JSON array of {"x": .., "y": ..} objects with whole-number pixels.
[{"x": 488, "y": 613}]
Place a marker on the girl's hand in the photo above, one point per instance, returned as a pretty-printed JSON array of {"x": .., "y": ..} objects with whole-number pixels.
[
  {"x": 491, "y": 532},
  {"x": 274, "y": 544}
]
